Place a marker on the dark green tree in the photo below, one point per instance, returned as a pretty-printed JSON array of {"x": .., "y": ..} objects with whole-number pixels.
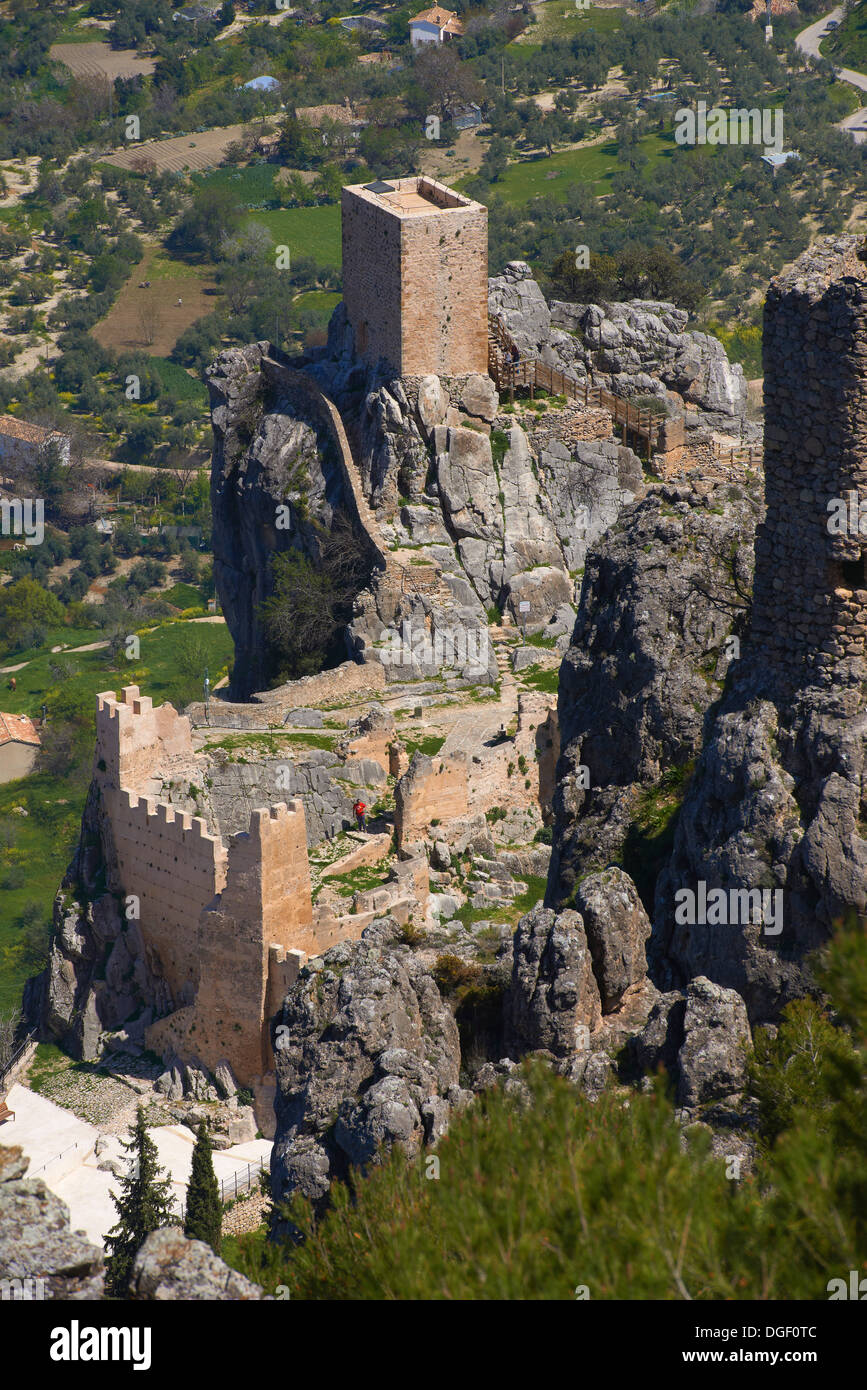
[
  {"x": 144, "y": 1205},
  {"x": 204, "y": 1220}
]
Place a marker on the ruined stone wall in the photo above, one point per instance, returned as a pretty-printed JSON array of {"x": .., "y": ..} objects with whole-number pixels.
[
  {"x": 574, "y": 424},
  {"x": 342, "y": 685},
  {"x": 810, "y": 591},
  {"x": 432, "y": 788}
]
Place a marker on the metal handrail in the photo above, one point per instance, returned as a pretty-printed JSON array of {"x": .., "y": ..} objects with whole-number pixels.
[{"x": 53, "y": 1159}]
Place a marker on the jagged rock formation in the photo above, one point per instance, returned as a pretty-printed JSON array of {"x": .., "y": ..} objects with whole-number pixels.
[
  {"x": 276, "y": 484},
  {"x": 367, "y": 1055},
  {"x": 169, "y": 1267},
  {"x": 776, "y": 803},
  {"x": 635, "y": 348},
  {"x": 35, "y": 1239},
  {"x": 662, "y": 593}
]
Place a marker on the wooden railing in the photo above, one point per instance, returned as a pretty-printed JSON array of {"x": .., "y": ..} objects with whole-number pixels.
[
  {"x": 748, "y": 454},
  {"x": 509, "y": 370}
]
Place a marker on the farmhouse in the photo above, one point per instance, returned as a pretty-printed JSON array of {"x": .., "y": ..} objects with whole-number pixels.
[
  {"x": 23, "y": 443},
  {"x": 19, "y": 744},
  {"x": 434, "y": 26}
]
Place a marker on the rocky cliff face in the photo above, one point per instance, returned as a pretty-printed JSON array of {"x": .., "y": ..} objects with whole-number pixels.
[
  {"x": 775, "y": 814},
  {"x": 663, "y": 594},
  {"x": 637, "y": 348},
  {"x": 275, "y": 485}
]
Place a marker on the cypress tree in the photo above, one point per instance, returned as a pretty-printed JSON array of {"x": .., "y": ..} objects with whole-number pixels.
[
  {"x": 204, "y": 1210},
  {"x": 144, "y": 1205}
]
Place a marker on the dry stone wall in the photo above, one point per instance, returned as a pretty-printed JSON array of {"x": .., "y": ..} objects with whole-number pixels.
[{"x": 810, "y": 596}]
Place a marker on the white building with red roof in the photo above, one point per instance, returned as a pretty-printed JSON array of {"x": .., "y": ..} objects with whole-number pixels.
[
  {"x": 23, "y": 443},
  {"x": 434, "y": 26},
  {"x": 19, "y": 744}
]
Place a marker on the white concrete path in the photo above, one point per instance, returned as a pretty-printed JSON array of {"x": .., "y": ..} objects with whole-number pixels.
[{"x": 60, "y": 1147}]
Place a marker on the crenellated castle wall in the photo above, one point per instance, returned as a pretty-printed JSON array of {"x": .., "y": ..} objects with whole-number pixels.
[{"x": 227, "y": 925}]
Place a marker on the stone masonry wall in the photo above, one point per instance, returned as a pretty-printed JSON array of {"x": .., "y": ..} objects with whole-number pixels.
[
  {"x": 216, "y": 920},
  {"x": 266, "y": 903},
  {"x": 431, "y": 788},
  {"x": 415, "y": 282},
  {"x": 810, "y": 592}
]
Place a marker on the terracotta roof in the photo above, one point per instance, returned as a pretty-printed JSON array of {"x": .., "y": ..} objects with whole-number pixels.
[
  {"x": 14, "y": 428},
  {"x": 445, "y": 19},
  {"x": 17, "y": 728}
]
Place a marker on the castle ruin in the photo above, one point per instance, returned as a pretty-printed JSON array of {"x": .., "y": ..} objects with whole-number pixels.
[
  {"x": 415, "y": 276},
  {"x": 810, "y": 593}
]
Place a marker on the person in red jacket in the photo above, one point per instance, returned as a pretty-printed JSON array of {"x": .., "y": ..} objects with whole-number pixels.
[{"x": 360, "y": 814}]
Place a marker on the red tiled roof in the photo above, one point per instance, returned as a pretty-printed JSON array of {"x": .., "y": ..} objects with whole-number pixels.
[
  {"x": 445, "y": 19},
  {"x": 17, "y": 728},
  {"x": 14, "y": 428}
]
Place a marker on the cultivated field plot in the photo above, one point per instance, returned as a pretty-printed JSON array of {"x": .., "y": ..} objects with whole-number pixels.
[
  {"x": 152, "y": 320},
  {"x": 101, "y": 60},
  {"x": 202, "y": 149},
  {"x": 306, "y": 231}
]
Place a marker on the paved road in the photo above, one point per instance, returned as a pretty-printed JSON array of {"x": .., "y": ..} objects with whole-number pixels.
[{"x": 808, "y": 42}]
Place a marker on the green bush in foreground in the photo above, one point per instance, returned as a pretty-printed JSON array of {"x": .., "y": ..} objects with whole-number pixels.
[{"x": 535, "y": 1201}]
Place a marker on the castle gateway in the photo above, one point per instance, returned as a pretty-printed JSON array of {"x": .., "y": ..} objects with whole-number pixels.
[{"x": 415, "y": 276}]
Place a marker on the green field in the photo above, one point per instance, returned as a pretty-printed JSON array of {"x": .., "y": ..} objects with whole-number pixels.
[
  {"x": 255, "y": 184},
  {"x": 166, "y": 653},
  {"x": 561, "y": 19},
  {"x": 595, "y": 165},
  {"x": 178, "y": 381},
  {"x": 35, "y": 849},
  {"x": 322, "y": 303},
  {"x": 306, "y": 231}
]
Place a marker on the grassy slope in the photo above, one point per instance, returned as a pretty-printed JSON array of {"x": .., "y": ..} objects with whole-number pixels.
[
  {"x": 561, "y": 19},
  {"x": 595, "y": 165}
]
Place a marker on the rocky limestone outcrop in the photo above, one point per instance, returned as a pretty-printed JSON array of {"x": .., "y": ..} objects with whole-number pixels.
[
  {"x": 640, "y": 347},
  {"x": 662, "y": 594},
  {"x": 35, "y": 1240},
  {"x": 716, "y": 1038},
  {"x": 367, "y": 1056},
  {"x": 276, "y": 485},
  {"x": 170, "y": 1267}
]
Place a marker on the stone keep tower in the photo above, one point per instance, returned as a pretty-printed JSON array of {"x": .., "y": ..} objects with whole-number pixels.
[
  {"x": 810, "y": 593},
  {"x": 415, "y": 276}
]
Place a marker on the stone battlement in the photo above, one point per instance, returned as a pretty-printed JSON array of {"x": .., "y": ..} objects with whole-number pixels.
[{"x": 217, "y": 919}]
